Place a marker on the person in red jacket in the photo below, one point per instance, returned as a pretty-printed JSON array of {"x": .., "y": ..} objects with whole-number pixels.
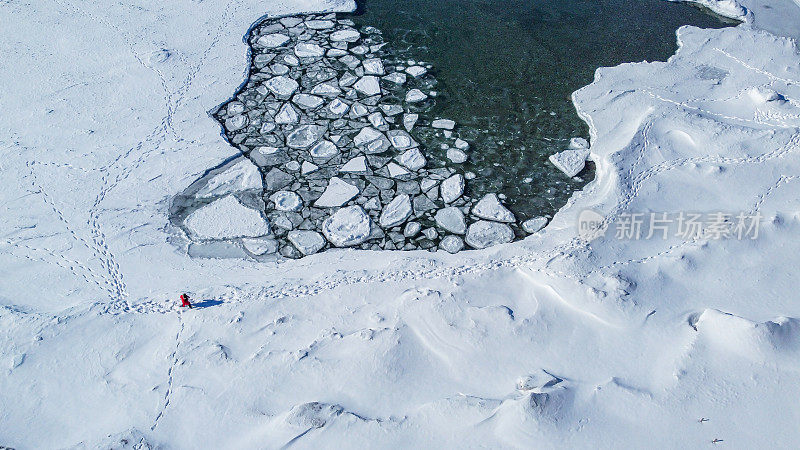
[{"x": 185, "y": 301}]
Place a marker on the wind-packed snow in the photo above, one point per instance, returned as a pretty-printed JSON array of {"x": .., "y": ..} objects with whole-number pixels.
[{"x": 549, "y": 342}]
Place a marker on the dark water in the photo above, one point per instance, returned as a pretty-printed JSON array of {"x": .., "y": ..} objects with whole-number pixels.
[{"x": 506, "y": 69}]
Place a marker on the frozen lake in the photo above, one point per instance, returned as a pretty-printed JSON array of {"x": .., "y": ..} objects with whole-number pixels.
[{"x": 473, "y": 100}]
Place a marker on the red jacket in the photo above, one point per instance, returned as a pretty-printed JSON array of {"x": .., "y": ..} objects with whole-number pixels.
[{"x": 185, "y": 300}]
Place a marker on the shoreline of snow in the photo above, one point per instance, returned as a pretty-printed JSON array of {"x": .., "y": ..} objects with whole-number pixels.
[{"x": 726, "y": 8}]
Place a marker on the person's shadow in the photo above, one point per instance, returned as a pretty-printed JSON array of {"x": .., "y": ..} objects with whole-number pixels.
[{"x": 206, "y": 304}]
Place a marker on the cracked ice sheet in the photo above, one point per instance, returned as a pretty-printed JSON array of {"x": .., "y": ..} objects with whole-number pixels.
[{"x": 415, "y": 349}]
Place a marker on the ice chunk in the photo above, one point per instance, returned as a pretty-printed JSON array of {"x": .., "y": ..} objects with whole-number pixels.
[
  {"x": 326, "y": 90},
  {"x": 396, "y": 171},
  {"x": 376, "y": 119},
  {"x": 411, "y": 229},
  {"x": 347, "y": 227},
  {"x": 415, "y": 96},
  {"x": 234, "y": 108},
  {"x": 304, "y": 136},
  {"x": 337, "y": 193},
  {"x": 324, "y": 150},
  {"x": 533, "y": 225},
  {"x": 347, "y": 79},
  {"x": 368, "y": 85},
  {"x": 392, "y": 110},
  {"x": 308, "y": 167},
  {"x": 367, "y": 134},
  {"x": 396, "y": 78},
  {"x": 456, "y": 156},
  {"x": 277, "y": 179},
  {"x": 401, "y": 140},
  {"x": 282, "y": 86},
  {"x": 265, "y": 156},
  {"x": 416, "y": 71},
  {"x": 226, "y": 218},
  {"x": 578, "y": 142},
  {"x": 373, "y": 66},
  {"x": 286, "y": 201},
  {"x": 413, "y": 159},
  {"x": 355, "y": 165},
  {"x": 306, "y": 241},
  {"x": 272, "y": 40},
  {"x": 409, "y": 120},
  {"x": 236, "y": 122},
  {"x": 337, "y": 107},
  {"x": 287, "y": 115},
  {"x": 358, "y": 110},
  {"x": 308, "y": 50},
  {"x": 571, "y": 162},
  {"x": 396, "y": 212},
  {"x": 489, "y": 208},
  {"x": 430, "y": 233},
  {"x": 307, "y": 101},
  {"x": 319, "y": 24},
  {"x": 422, "y": 203},
  {"x": 242, "y": 176},
  {"x": 345, "y": 35},
  {"x": 445, "y": 124},
  {"x": 279, "y": 69},
  {"x": 451, "y": 244},
  {"x": 451, "y": 219},
  {"x": 483, "y": 234},
  {"x": 452, "y": 188},
  {"x": 260, "y": 246},
  {"x": 371, "y": 140}
]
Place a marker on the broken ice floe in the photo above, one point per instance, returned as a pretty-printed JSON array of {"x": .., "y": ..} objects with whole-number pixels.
[
  {"x": 573, "y": 160},
  {"x": 329, "y": 119}
]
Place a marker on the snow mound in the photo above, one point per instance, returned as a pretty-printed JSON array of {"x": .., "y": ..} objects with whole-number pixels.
[
  {"x": 226, "y": 218},
  {"x": 520, "y": 419},
  {"x": 537, "y": 381},
  {"x": 313, "y": 414},
  {"x": 776, "y": 338},
  {"x": 286, "y": 428}
]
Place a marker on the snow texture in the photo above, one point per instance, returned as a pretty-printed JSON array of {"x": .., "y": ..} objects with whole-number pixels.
[{"x": 548, "y": 342}]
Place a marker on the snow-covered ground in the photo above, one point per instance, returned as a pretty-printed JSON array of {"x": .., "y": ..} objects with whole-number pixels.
[{"x": 548, "y": 342}]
